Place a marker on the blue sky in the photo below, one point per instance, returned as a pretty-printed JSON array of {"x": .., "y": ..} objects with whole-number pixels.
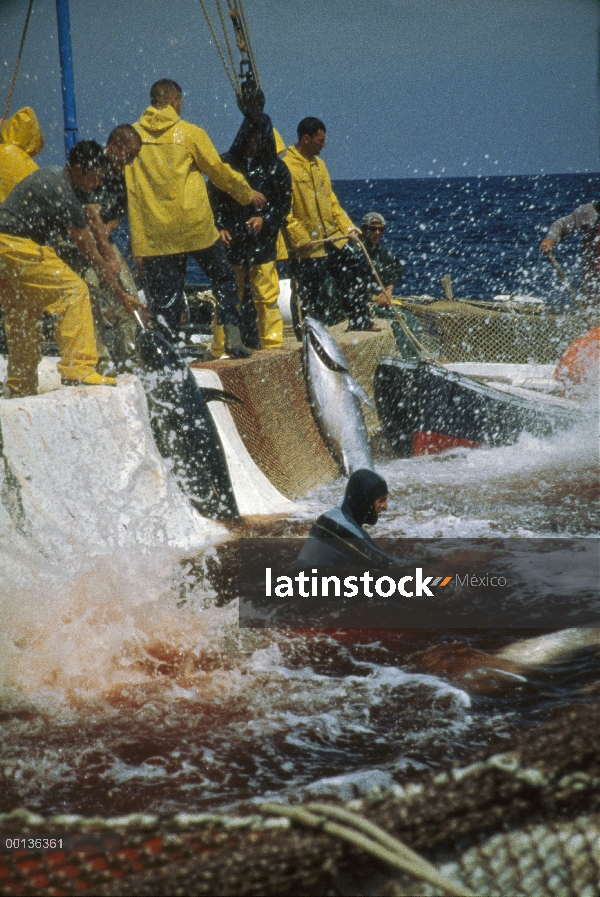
[{"x": 407, "y": 88}]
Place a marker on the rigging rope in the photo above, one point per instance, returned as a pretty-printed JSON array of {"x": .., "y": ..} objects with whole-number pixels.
[
  {"x": 247, "y": 37},
  {"x": 232, "y": 77},
  {"x": 233, "y": 67},
  {"x": 248, "y": 75},
  {"x": 14, "y": 77}
]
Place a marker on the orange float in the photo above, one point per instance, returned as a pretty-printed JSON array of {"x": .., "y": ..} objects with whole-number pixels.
[{"x": 579, "y": 366}]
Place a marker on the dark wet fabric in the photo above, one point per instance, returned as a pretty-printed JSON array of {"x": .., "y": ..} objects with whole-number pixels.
[
  {"x": 354, "y": 285},
  {"x": 165, "y": 281},
  {"x": 111, "y": 196},
  {"x": 271, "y": 177},
  {"x": 42, "y": 207},
  {"x": 385, "y": 262},
  {"x": 337, "y": 293}
]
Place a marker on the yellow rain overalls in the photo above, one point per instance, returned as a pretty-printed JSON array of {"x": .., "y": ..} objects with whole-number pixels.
[{"x": 32, "y": 280}]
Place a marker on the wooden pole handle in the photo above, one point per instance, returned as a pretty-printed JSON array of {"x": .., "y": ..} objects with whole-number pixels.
[{"x": 570, "y": 289}]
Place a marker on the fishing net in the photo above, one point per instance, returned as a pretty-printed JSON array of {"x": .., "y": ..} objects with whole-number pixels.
[
  {"x": 508, "y": 332},
  {"x": 519, "y": 822},
  {"x": 275, "y": 420}
]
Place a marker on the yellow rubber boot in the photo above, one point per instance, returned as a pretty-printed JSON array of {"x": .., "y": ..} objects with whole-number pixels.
[
  {"x": 93, "y": 379},
  {"x": 264, "y": 282},
  {"x": 218, "y": 343}
]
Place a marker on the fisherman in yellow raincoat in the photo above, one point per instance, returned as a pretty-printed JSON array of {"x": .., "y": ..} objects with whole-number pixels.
[
  {"x": 316, "y": 216},
  {"x": 20, "y": 138},
  {"x": 170, "y": 215},
  {"x": 41, "y": 210}
]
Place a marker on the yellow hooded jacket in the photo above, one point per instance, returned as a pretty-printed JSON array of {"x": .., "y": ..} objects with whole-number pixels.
[
  {"x": 167, "y": 202},
  {"x": 316, "y": 214},
  {"x": 20, "y": 138}
]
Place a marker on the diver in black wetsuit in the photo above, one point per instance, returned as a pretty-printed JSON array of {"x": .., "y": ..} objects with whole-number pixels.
[{"x": 337, "y": 536}]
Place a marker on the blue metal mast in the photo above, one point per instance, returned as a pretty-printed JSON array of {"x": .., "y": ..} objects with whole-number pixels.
[{"x": 66, "y": 72}]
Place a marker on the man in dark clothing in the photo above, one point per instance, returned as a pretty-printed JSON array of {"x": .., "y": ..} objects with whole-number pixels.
[
  {"x": 104, "y": 209},
  {"x": 250, "y": 238},
  {"x": 385, "y": 262},
  {"x": 337, "y": 537},
  {"x": 586, "y": 219},
  {"x": 390, "y": 270}
]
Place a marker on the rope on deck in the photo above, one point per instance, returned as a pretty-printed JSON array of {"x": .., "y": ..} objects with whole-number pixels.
[{"x": 358, "y": 831}]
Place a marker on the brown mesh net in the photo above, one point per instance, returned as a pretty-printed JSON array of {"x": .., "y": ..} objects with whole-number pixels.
[
  {"x": 518, "y": 822},
  {"x": 454, "y": 331},
  {"x": 275, "y": 420}
]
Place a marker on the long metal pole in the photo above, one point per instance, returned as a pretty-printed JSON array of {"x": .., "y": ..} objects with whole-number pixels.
[{"x": 66, "y": 72}]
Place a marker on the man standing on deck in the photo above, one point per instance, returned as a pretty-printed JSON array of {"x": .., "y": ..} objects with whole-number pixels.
[
  {"x": 316, "y": 216},
  {"x": 104, "y": 208},
  {"x": 251, "y": 242},
  {"x": 170, "y": 215},
  {"x": 585, "y": 218},
  {"x": 41, "y": 210}
]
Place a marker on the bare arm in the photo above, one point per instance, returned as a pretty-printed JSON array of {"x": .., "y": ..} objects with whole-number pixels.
[
  {"x": 582, "y": 218},
  {"x": 101, "y": 236},
  {"x": 85, "y": 242}
]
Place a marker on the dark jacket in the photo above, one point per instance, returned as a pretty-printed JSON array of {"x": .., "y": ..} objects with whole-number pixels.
[
  {"x": 386, "y": 264},
  {"x": 267, "y": 174}
]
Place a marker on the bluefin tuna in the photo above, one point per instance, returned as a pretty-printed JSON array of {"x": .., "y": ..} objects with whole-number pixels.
[
  {"x": 183, "y": 427},
  {"x": 335, "y": 397}
]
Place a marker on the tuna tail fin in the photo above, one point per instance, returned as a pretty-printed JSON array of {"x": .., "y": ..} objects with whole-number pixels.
[
  {"x": 218, "y": 395},
  {"x": 357, "y": 389}
]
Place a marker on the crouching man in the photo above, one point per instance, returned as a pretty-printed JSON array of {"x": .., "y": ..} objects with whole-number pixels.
[{"x": 39, "y": 212}]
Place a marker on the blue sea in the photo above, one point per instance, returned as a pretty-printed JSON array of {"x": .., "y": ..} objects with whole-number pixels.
[{"x": 483, "y": 231}]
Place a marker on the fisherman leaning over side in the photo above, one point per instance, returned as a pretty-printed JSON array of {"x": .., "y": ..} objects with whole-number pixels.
[
  {"x": 170, "y": 215},
  {"x": 21, "y": 138},
  {"x": 338, "y": 538},
  {"x": 39, "y": 212},
  {"x": 316, "y": 215},
  {"x": 251, "y": 239},
  {"x": 104, "y": 208},
  {"x": 585, "y": 218}
]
